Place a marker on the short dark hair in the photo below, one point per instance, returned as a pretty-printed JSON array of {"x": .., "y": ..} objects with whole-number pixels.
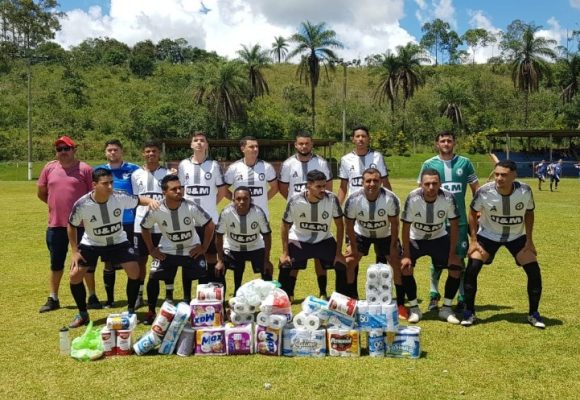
[
  {"x": 371, "y": 170},
  {"x": 509, "y": 164},
  {"x": 198, "y": 133},
  {"x": 302, "y": 134},
  {"x": 360, "y": 128},
  {"x": 430, "y": 172},
  {"x": 444, "y": 133},
  {"x": 243, "y": 189},
  {"x": 114, "y": 142},
  {"x": 166, "y": 179},
  {"x": 315, "y": 175},
  {"x": 151, "y": 143},
  {"x": 100, "y": 173},
  {"x": 245, "y": 139}
]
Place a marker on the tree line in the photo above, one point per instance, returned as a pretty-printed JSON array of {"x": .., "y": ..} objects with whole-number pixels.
[{"x": 103, "y": 87}]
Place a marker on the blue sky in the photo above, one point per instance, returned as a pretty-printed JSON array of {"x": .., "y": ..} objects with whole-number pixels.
[{"x": 364, "y": 26}]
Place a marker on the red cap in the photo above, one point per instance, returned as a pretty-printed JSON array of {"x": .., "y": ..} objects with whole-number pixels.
[{"x": 65, "y": 140}]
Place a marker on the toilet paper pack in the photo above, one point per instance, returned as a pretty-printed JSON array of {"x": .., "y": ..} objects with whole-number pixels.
[
  {"x": 405, "y": 343},
  {"x": 377, "y": 316},
  {"x": 177, "y": 324},
  {"x": 206, "y": 313},
  {"x": 343, "y": 342},
  {"x": 268, "y": 340},
  {"x": 303, "y": 343},
  {"x": 239, "y": 339},
  {"x": 210, "y": 341}
]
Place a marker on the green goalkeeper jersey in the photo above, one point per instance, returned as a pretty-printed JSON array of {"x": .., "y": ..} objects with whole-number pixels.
[{"x": 456, "y": 175}]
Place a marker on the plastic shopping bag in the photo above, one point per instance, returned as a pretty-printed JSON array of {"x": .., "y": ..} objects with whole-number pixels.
[{"x": 88, "y": 346}]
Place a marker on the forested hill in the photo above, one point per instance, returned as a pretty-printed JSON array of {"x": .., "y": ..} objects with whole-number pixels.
[{"x": 99, "y": 101}]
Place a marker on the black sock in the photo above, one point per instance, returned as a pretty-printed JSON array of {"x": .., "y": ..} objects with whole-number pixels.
[
  {"x": 238, "y": 276},
  {"x": 322, "y": 283},
  {"x": 186, "y": 281},
  {"x": 400, "y": 292},
  {"x": 132, "y": 293},
  {"x": 532, "y": 270},
  {"x": 283, "y": 276},
  {"x": 353, "y": 290},
  {"x": 292, "y": 285},
  {"x": 451, "y": 287},
  {"x": 168, "y": 290},
  {"x": 109, "y": 281},
  {"x": 470, "y": 282},
  {"x": 340, "y": 284},
  {"x": 410, "y": 286},
  {"x": 141, "y": 287},
  {"x": 266, "y": 277},
  {"x": 79, "y": 293},
  {"x": 152, "y": 293},
  {"x": 354, "y": 293}
]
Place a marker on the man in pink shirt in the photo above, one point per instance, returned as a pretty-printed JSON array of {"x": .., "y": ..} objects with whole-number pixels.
[{"x": 62, "y": 182}]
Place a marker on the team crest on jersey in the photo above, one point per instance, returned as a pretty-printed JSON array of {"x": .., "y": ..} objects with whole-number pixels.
[
  {"x": 325, "y": 215},
  {"x": 131, "y": 250},
  {"x": 459, "y": 171},
  {"x": 440, "y": 213},
  {"x": 117, "y": 212},
  {"x": 519, "y": 206},
  {"x": 261, "y": 176},
  {"x": 381, "y": 212},
  {"x": 93, "y": 218},
  {"x": 208, "y": 176},
  {"x": 254, "y": 225},
  {"x": 373, "y": 165},
  {"x": 187, "y": 221},
  {"x": 202, "y": 264}
]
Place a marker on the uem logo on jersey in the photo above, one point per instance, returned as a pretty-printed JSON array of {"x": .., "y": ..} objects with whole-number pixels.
[
  {"x": 453, "y": 187},
  {"x": 313, "y": 226},
  {"x": 107, "y": 229},
  {"x": 373, "y": 224},
  {"x": 358, "y": 181},
  {"x": 197, "y": 190},
  {"x": 427, "y": 227},
  {"x": 299, "y": 187},
  {"x": 507, "y": 220},
  {"x": 179, "y": 236},
  {"x": 256, "y": 191},
  {"x": 243, "y": 238}
]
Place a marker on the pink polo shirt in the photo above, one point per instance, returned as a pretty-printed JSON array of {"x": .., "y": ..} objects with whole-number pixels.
[{"x": 65, "y": 186}]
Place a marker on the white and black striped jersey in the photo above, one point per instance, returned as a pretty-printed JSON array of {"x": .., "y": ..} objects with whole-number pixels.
[
  {"x": 311, "y": 222},
  {"x": 502, "y": 217},
  {"x": 103, "y": 222},
  {"x": 243, "y": 232},
  {"x": 293, "y": 172},
  {"x": 147, "y": 184},
  {"x": 428, "y": 219},
  {"x": 352, "y": 167},
  {"x": 201, "y": 183},
  {"x": 178, "y": 235},
  {"x": 256, "y": 178},
  {"x": 372, "y": 217}
]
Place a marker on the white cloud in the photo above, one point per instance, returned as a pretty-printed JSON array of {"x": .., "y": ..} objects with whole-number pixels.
[
  {"x": 553, "y": 32},
  {"x": 575, "y": 3},
  {"x": 366, "y": 26},
  {"x": 442, "y": 9},
  {"x": 477, "y": 19}
]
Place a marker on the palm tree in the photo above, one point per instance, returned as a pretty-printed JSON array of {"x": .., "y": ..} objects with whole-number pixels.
[
  {"x": 314, "y": 42},
  {"x": 388, "y": 70},
  {"x": 222, "y": 87},
  {"x": 570, "y": 78},
  {"x": 453, "y": 97},
  {"x": 255, "y": 60},
  {"x": 530, "y": 64},
  {"x": 279, "y": 48},
  {"x": 409, "y": 78}
]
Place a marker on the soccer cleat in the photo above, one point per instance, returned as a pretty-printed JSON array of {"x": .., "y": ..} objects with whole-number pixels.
[
  {"x": 414, "y": 315},
  {"x": 469, "y": 318},
  {"x": 434, "y": 302},
  {"x": 109, "y": 304},
  {"x": 93, "y": 303},
  {"x": 460, "y": 306},
  {"x": 79, "y": 320},
  {"x": 50, "y": 305},
  {"x": 323, "y": 296},
  {"x": 403, "y": 312},
  {"x": 140, "y": 302},
  {"x": 447, "y": 314},
  {"x": 149, "y": 318},
  {"x": 536, "y": 321}
]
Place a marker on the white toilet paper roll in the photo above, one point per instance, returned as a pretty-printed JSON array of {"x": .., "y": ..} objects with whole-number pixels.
[
  {"x": 372, "y": 298},
  {"x": 232, "y": 302},
  {"x": 277, "y": 321},
  {"x": 299, "y": 320},
  {"x": 372, "y": 275},
  {"x": 386, "y": 298},
  {"x": 362, "y": 306},
  {"x": 242, "y": 308},
  {"x": 263, "y": 319},
  {"x": 312, "y": 322},
  {"x": 239, "y": 319}
]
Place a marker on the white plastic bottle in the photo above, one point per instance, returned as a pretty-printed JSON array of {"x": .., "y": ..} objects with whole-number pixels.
[{"x": 64, "y": 341}]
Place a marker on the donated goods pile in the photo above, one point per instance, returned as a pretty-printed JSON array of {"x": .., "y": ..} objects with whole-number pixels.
[{"x": 261, "y": 321}]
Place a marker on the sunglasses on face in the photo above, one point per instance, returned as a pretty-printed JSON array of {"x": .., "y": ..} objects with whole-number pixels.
[{"x": 65, "y": 148}]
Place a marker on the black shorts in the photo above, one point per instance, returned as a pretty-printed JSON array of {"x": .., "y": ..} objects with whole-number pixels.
[
  {"x": 193, "y": 268},
  {"x": 437, "y": 249},
  {"x": 554, "y": 178},
  {"x": 211, "y": 249},
  {"x": 491, "y": 246},
  {"x": 116, "y": 254},
  {"x": 301, "y": 252},
  {"x": 57, "y": 243},
  {"x": 237, "y": 259},
  {"x": 382, "y": 246},
  {"x": 139, "y": 244}
]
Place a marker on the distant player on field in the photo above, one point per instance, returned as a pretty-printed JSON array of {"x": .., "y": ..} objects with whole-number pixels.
[
  {"x": 456, "y": 173},
  {"x": 506, "y": 209},
  {"x": 540, "y": 171}
]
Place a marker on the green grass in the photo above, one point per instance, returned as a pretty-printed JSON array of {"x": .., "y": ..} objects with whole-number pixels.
[{"x": 502, "y": 357}]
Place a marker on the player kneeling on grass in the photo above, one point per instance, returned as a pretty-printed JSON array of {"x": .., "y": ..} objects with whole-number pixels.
[
  {"x": 101, "y": 214},
  {"x": 506, "y": 209},
  {"x": 426, "y": 210},
  {"x": 306, "y": 233},
  {"x": 243, "y": 234},
  {"x": 180, "y": 245}
]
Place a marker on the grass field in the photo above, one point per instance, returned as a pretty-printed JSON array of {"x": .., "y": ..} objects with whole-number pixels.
[{"x": 501, "y": 357}]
